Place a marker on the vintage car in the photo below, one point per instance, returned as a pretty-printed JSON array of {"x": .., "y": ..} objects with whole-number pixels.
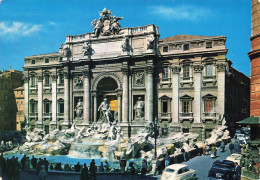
[
  {"x": 235, "y": 158},
  {"x": 223, "y": 170},
  {"x": 178, "y": 172}
]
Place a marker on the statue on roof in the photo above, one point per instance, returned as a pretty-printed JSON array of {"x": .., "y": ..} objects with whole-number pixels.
[{"x": 107, "y": 24}]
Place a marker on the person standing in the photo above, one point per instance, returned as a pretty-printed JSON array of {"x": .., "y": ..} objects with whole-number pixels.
[
  {"x": 123, "y": 165},
  {"x": 84, "y": 172},
  {"x": 204, "y": 148},
  {"x": 167, "y": 160},
  {"x": 144, "y": 167},
  {"x": 157, "y": 167},
  {"x": 184, "y": 154},
  {"x": 77, "y": 167},
  {"x": 222, "y": 146},
  {"x": 92, "y": 169},
  {"x": 46, "y": 164},
  {"x": 236, "y": 146},
  {"x": 23, "y": 161},
  {"x": 231, "y": 147},
  {"x": 237, "y": 170},
  {"x": 33, "y": 162}
]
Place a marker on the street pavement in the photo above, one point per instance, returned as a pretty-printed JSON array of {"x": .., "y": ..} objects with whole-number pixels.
[{"x": 203, "y": 163}]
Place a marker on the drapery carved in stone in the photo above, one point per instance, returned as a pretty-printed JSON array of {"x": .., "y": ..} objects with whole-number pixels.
[
  {"x": 175, "y": 47},
  {"x": 78, "y": 82},
  {"x": 87, "y": 50},
  {"x": 139, "y": 79},
  {"x": 197, "y": 68},
  {"x": 150, "y": 41},
  {"x": 221, "y": 66},
  {"x": 125, "y": 45}
]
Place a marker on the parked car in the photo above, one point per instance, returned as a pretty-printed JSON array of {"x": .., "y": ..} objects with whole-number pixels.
[
  {"x": 234, "y": 158},
  {"x": 242, "y": 138},
  {"x": 178, "y": 172},
  {"x": 223, "y": 170}
]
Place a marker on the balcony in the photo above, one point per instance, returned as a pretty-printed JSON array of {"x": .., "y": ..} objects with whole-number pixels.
[
  {"x": 209, "y": 79},
  {"x": 46, "y": 115},
  {"x": 186, "y": 116},
  {"x": 211, "y": 116},
  {"x": 167, "y": 116},
  {"x": 33, "y": 86},
  {"x": 34, "y": 114},
  {"x": 165, "y": 81},
  {"x": 60, "y": 114},
  {"x": 186, "y": 80}
]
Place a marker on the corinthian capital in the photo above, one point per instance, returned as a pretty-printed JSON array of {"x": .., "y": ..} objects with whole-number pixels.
[{"x": 221, "y": 66}]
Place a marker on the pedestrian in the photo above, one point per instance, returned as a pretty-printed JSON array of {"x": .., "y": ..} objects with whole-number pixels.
[
  {"x": 167, "y": 160},
  {"x": 231, "y": 147},
  {"x": 184, "y": 154},
  {"x": 66, "y": 167},
  {"x": 222, "y": 146},
  {"x": 33, "y": 162},
  {"x": 92, "y": 169},
  {"x": 132, "y": 166},
  {"x": 84, "y": 172},
  {"x": 157, "y": 167},
  {"x": 204, "y": 148},
  {"x": 123, "y": 165},
  {"x": 144, "y": 168},
  {"x": 46, "y": 164},
  {"x": 237, "y": 170},
  {"x": 101, "y": 167},
  {"x": 51, "y": 167},
  {"x": 23, "y": 161},
  {"x": 106, "y": 166},
  {"x": 42, "y": 173},
  {"x": 207, "y": 149},
  {"x": 236, "y": 147},
  {"x": 198, "y": 150},
  {"x": 77, "y": 167}
]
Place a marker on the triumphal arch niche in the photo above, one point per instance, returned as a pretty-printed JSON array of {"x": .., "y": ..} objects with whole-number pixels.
[{"x": 99, "y": 76}]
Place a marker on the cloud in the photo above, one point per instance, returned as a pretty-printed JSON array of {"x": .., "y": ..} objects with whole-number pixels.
[
  {"x": 52, "y": 23},
  {"x": 184, "y": 12},
  {"x": 18, "y": 28}
]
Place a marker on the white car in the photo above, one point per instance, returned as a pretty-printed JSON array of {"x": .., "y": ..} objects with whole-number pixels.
[
  {"x": 178, "y": 172},
  {"x": 235, "y": 158},
  {"x": 242, "y": 137}
]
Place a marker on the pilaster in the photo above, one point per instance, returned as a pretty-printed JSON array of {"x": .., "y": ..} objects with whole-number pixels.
[
  {"x": 26, "y": 98},
  {"x": 54, "y": 100},
  {"x": 119, "y": 105},
  {"x": 40, "y": 100},
  {"x": 221, "y": 69},
  {"x": 86, "y": 99},
  {"x": 125, "y": 98},
  {"x": 149, "y": 93},
  {"x": 197, "y": 93},
  {"x": 175, "y": 93},
  {"x": 66, "y": 99}
]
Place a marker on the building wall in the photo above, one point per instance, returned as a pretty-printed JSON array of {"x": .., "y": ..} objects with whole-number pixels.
[
  {"x": 19, "y": 98},
  {"x": 254, "y": 56},
  {"x": 8, "y": 81}
]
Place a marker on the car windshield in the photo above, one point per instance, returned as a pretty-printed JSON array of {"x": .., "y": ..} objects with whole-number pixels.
[
  {"x": 221, "y": 166},
  {"x": 169, "y": 170}
]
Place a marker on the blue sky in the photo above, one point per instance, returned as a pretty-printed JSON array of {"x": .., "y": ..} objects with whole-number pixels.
[{"x": 31, "y": 27}]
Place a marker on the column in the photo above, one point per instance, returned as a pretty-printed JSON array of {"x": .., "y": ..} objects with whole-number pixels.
[
  {"x": 221, "y": 68},
  {"x": 54, "y": 99},
  {"x": 149, "y": 94},
  {"x": 86, "y": 99},
  {"x": 196, "y": 108},
  {"x": 66, "y": 99},
  {"x": 40, "y": 100},
  {"x": 119, "y": 105},
  {"x": 175, "y": 93},
  {"x": 26, "y": 98},
  {"x": 94, "y": 95},
  {"x": 125, "y": 103}
]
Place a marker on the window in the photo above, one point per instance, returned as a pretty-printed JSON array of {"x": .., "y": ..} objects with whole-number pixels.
[
  {"x": 61, "y": 106},
  {"x": 33, "y": 82},
  {"x": 32, "y": 61},
  {"x": 165, "y": 106},
  {"x": 208, "y": 45},
  {"x": 186, "y": 47},
  {"x": 46, "y": 60},
  {"x": 165, "y": 74},
  {"x": 46, "y": 79},
  {"x": 165, "y": 49},
  {"x": 33, "y": 106},
  {"x": 21, "y": 92},
  {"x": 209, "y": 106},
  {"x": 186, "y": 106},
  {"x": 186, "y": 72},
  {"x": 208, "y": 68},
  {"x": 61, "y": 79},
  {"x": 6, "y": 97},
  {"x": 46, "y": 106}
]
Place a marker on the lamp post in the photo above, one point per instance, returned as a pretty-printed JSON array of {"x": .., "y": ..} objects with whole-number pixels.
[{"x": 155, "y": 122}]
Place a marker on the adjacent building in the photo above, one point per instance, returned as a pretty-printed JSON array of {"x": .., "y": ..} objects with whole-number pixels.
[
  {"x": 9, "y": 80},
  {"x": 181, "y": 80},
  {"x": 19, "y": 98}
]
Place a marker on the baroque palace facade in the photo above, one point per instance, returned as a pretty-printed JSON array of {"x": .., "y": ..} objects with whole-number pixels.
[{"x": 180, "y": 79}]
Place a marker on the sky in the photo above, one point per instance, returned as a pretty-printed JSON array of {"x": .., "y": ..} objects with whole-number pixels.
[{"x": 31, "y": 27}]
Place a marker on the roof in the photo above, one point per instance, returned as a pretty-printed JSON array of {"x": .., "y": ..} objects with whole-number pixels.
[
  {"x": 250, "y": 121},
  {"x": 177, "y": 166},
  {"x": 19, "y": 88},
  {"x": 186, "y": 37}
]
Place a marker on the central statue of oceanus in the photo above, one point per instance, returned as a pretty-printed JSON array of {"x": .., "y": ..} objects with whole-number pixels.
[{"x": 105, "y": 113}]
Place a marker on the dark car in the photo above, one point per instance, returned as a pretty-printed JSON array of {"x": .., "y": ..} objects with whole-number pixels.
[{"x": 223, "y": 170}]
